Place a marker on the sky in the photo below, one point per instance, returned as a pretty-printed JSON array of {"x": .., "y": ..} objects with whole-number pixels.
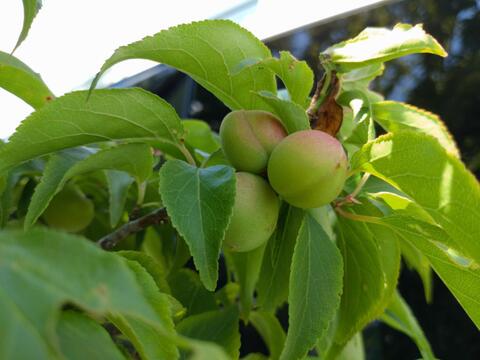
[{"x": 69, "y": 40}]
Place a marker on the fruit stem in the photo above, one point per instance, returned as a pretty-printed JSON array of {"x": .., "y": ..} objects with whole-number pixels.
[
  {"x": 187, "y": 155},
  {"x": 351, "y": 198}
]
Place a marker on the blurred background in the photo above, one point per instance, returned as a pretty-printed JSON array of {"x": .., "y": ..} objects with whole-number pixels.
[{"x": 69, "y": 49}]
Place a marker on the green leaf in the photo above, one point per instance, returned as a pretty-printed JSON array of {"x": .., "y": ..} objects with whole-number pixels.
[
  {"x": 272, "y": 287},
  {"x": 118, "y": 184},
  {"x": 204, "y": 350},
  {"x": 208, "y": 51},
  {"x": 82, "y": 338},
  {"x": 199, "y": 203},
  {"x": 30, "y": 10},
  {"x": 71, "y": 120},
  {"x": 135, "y": 159},
  {"x": 394, "y": 116},
  {"x": 415, "y": 260},
  {"x": 296, "y": 75},
  {"x": 187, "y": 288},
  {"x": 438, "y": 182},
  {"x": 315, "y": 288},
  {"x": 377, "y": 45},
  {"x": 92, "y": 279},
  {"x": 361, "y": 77},
  {"x": 148, "y": 341},
  {"x": 354, "y": 350},
  {"x": 271, "y": 331},
  {"x": 220, "y": 327},
  {"x": 17, "y": 78},
  {"x": 293, "y": 116},
  {"x": 246, "y": 266},
  {"x": 199, "y": 135},
  {"x": 399, "y": 316}
]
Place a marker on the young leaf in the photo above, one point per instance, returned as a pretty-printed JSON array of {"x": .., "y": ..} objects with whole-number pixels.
[
  {"x": 81, "y": 338},
  {"x": 418, "y": 165},
  {"x": 394, "y": 116},
  {"x": 21, "y": 81},
  {"x": 246, "y": 266},
  {"x": 92, "y": 279},
  {"x": 360, "y": 78},
  {"x": 271, "y": 331},
  {"x": 199, "y": 203},
  {"x": 199, "y": 135},
  {"x": 293, "y": 116},
  {"x": 272, "y": 285},
  {"x": 30, "y": 10},
  {"x": 399, "y": 316},
  {"x": 208, "y": 51},
  {"x": 187, "y": 288},
  {"x": 315, "y": 288},
  {"x": 71, "y": 121},
  {"x": 377, "y": 45},
  {"x": 135, "y": 159},
  {"x": 118, "y": 184},
  {"x": 220, "y": 327}
]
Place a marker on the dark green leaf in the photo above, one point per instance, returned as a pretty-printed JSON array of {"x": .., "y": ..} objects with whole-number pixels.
[
  {"x": 20, "y": 80},
  {"x": 220, "y": 327},
  {"x": 208, "y": 51},
  {"x": 271, "y": 331},
  {"x": 272, "y": 285},
  {"x": 82, "y": 338},
  {"x": 399, "y": 316},
  {"x": 30, "y": 10},
  {"x": 377, "y": 45},
  {"x": 71, "y": 121},
  {"x": 315, "y": 288},
  {"x": 118, "y": 184},
  {"x": 199, "y": 203}
]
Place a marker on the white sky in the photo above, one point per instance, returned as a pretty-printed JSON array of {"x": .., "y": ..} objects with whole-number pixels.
[{"x": 69, "y": 40}]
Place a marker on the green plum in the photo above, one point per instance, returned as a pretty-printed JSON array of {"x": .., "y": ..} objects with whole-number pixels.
[
  {"x": 69, "y": 210},
  {"x": 248, "y": 137},
  {"x": 254, "y": 216},
  {"x": 308, "y": 169}
]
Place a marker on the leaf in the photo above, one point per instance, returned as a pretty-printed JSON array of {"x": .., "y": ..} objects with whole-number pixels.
[
  {"x": 314, "y": 290},
  {"x": 271, "y": 331},
  {"x": 204, "y": 350},
  {"x": 208, "y": 51},
  {"x": 377, "y": 45},
  {"x": 135, "y": 159},
  {"x": 399, "y": 316},
  {"x": 118, "y": 184},
  {"x": 272, "y": 287},
  {"x": 438, "y": 182},
  {"x": 71, "y": 120},
  {"x": 82, "y": 338},
  {"x": 220, "y": 327},
  {"x": 199, "y": 203},
  {"x": 187, "y": 288},
  {"x": 328, "y": 116},
  {"x": 292, "y": 116},
  {"x": 199, "y": 135},
  {"x": 246, "y": 267},
  {"x": 95, "y": 281},
  {"x": 361, "y": 77},
  {"x": 17, "y": 78},
  {"x": 354, "y": 350},
  {"x": 148, "y": 341},
  {"x": 30, "y": 10},
  {"x": 394, "y": 116}
]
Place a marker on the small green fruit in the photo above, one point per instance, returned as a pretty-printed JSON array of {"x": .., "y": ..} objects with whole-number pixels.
[
  {"x": 248, "y": 137},
  {"x": 69, "y": 210},
  {"x": 308, "y": 169},
  {"x": 254, "y": 216}
]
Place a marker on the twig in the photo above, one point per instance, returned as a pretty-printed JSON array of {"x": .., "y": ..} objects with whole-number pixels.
[
  {"x": 109, "y": 241},
  {"x": 351, "y": 198}
]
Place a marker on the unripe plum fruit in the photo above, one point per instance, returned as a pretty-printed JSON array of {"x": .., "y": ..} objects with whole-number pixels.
[
  {"x": 254, "y": 216},
  {"x": 248, "y": 137},
  {"x": 308, "y": 168},
  {"x": 69, "y": 210}
]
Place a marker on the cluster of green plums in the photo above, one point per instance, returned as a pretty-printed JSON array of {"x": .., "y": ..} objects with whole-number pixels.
[{"x": 307, "y": 169}]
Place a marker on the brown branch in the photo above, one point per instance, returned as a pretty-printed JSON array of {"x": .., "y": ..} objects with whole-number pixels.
[{"x": 109, "y": 241}]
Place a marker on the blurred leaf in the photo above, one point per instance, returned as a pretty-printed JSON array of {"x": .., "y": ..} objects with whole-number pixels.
[
  {"x": 82, "y": 338},
  {"x": 377, "y": 45},
  {"x": 118, "y": 184},
  {"x": 71, "y": 120},
  {"x": 199, "y": 203},
  {"x": 208, "y": 51},
  {"x": 21, "y": 81},
  {"x": 199, "y": 135},
  {"x": 271, "y": 331}
]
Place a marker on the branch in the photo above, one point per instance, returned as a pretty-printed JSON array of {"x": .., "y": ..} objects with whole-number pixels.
[{"x": 109, "y": 241}]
